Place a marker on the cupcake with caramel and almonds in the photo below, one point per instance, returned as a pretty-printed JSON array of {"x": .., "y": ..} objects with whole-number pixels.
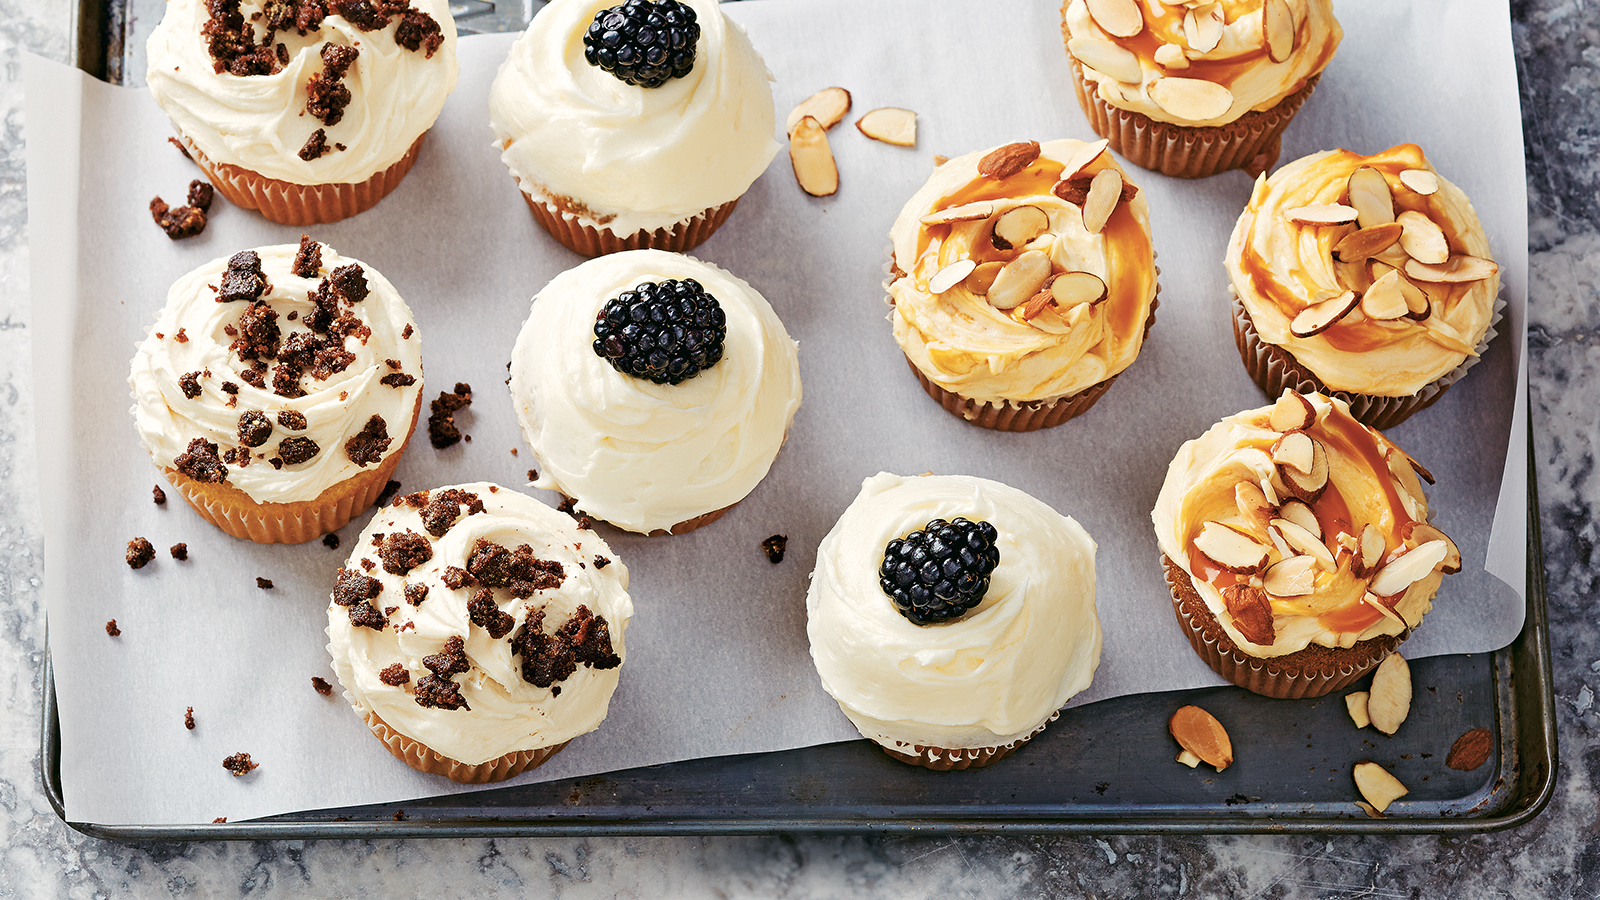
[
  {"x": 1023, "y": 282},
  {"x": 1367, "y": 277},
  {"x": 277, "y": 389},
  {"x": 477, "y": 631},
  {"x": 1297, "y": 546}
]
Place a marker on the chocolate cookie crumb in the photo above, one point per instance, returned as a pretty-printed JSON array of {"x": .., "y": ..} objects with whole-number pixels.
[
  {"x": 398, "y": 380},
  {"x": 321, "y": 686},
  {"x": 600, "y": 562},
  {"x": 364, "y": 615},
  {"x": 112, "y": 629},
  {"x": 417, "y": 30},
  {"x": 200, "y": 194},
  {"x": 456, "y": 578},
  {"x": 308, "y": 259},
  {"x": 519, "y": 570},
  {"x": 158, "y": 495},
  {"x": 326, "y": 94},
  {"x": 404, "y": 551},
  {"x": 354, "y": 587},
  {"x": 180, "y": 552},
  {"x": 533, "y": 474},
  {"x": 181, "y": 337},
  {"x": 181, "y": 148},
  {"x": 315, "y": 145},
  {"x": 254, "y": 428},
  {"x": 219, "y": 820},
  {"x": 442, "y": 430},
  {"x": 239, "y": 764},
  {"x": 483, "y": 612},
  {"x": 407, "y": 332},
  {"x": 189, "y": 383},
  {"x": 178, "y": 221},
  {"x": 775, "y": 546},
  {"x": 188, "y": 717},
  {"x": 400, "y": 815},
  {"x": 437, "y": 691},
  {"x": 292, "y": 420},
  {"x": 331, "y": 541},
  {"x": 263, "y": 583},
  {"x": 368, "y": 445},
  {"x": 546, "y": 659},
  {"x": 394, "y": 675},
  {"x": 296, "y": 450},
  {"x": 390, "y": 488},
  {"x": 202, "y": 463},
  {"x": 442, "y": 511},
  {"x": 139, "y": 553},
  {"x": 416, "y": 593},
  {"x": 243, "y": 279}
]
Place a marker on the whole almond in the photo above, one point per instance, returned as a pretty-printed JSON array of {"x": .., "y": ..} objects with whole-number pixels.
[
  {"x": 1004, "y": 162},
  {"x": 1471, "y": 750},
  {"x": 1198, "y": 732}
]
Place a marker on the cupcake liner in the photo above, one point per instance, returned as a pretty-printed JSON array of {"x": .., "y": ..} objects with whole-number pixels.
[
  {"x": 1312, "y": 672},
  {"x": 1275, "y": 369},
  {"x": 238, "y": 514},
  {"x": 944, "y": 759},
  {"x": 288, "y": 203},
  {"x": 688, "y": 525},
  {"x": 418, "y": 756},
  {"x": 590, "y": 241},
  {"x": 1250, "y": 142}
]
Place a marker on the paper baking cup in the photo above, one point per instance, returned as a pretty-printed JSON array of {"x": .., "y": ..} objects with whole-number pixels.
[
  {"x": 1275, "y": 369},
  {"x": 1250, "y": 142},
  {"x": 418, "y": 756},
  {"x": 689, "y": 525},
  {"x": 1312, "y": 672},
  {"x": 944, "y": 759},
  {"x": 288, "y": 203},
  {"x": 588, "y": 240},
  {"x": 237, "y": 513}
]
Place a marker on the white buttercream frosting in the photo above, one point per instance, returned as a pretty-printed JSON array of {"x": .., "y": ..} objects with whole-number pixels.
[
  {"x": 646, "y": 456},
  {"x": 190, "y": 336},
  {"x": 258, "y": 122},
  {"x": 995, "y": 675},
  {"x": 506, "y": 714},
  {"x": 623, "y": 157}
]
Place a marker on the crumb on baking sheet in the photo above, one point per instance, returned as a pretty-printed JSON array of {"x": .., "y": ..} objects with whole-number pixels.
[
  {"x": 263, "y": 583},
  {"x": 160, "y": 496},
  {"x": 188, "y": 717},
  {"x": 139, "y": 553},
  {"x": 239, "y": 764},
  {"x": 321, "y": 685},
  {"x": 775, "y": 547},
  {"x": 112, "y": 629},
  {"x": 179, "y": 551}
]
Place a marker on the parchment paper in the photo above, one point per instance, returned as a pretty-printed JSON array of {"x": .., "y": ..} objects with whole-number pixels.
[{"x": 718, "y": 661}]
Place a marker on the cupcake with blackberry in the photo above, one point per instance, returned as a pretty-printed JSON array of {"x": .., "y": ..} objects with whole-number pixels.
[
  {"x": 1023, "y": 282},
  {"x": 952, "y": 617},
  {"x": 478, "y": 631},
  {"x": 633, "y": 125},
  {"x": 308, "y": 111},
  {"x": 655, "y": 389},
  {"x": 277, "y": 389},
  {"x": 1297, "y": 546},
  {"x": 1192, "y": 89},
  {"x": 1367, "y": 277}
]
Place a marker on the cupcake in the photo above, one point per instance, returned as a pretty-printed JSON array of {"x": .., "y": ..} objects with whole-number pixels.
[
  {"x": 1297, "y": 546},
  {"x": 655, "y": 389},
  {"x": 630, "y": 126},
  {"x": 955, "y": 668},
  {"x": 1367, "y": 277},
  {"x": 1023, "y": 282},
  {"x": 307, "y": 111},
  {"x": 477, "y": 631},
  {"x": 1197, "y": 88},
  {"x": 277, "y": 389}
]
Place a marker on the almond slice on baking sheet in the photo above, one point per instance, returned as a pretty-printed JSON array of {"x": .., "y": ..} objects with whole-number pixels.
[
  {"x": 1171, "y": 56},
  {"x": 1230, "y": 549},
  {"x": 1104, "y": 192},
  {"x": 1458, "y": 269},
  {"x": 1319, "y": 317},
  {"x": 812, "y": 159},
  {"x": 1389, "y": 699},
  {"x": 827, "y": 106},
  {"x": 982, "y": 278},
  {"x": 1355, "y": 703},
  {"x": 1422, "y": 181},
  {"x": 1086, "y": 154},
  {"x": 1422, "y": 239},
  {"x": 1292, "y": 412},
  {"x": 891, "y": 125},
  {"x": 1292, "y": 577},
  {"x": 1277, "y": 30},
  {"x": 1322, "y": 214},
  {"x": 1193, "y": 99},
  {"x": 1107, "y": 58},
  {"x": 950, "y": 276},
  {"x": 1118, "y": 18},
  {"x": 966, "y": 212},
  {"x": 1367, "y": 242},
  {"x": 1199, "y": 733},
  {"x": 1077, "y": 288},
  {"x": 1370, "y": 194},
  {"x": 1377, "y": 785}
]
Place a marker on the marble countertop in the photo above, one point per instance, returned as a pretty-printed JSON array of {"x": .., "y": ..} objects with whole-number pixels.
[{"x": 1556, "y": 855}]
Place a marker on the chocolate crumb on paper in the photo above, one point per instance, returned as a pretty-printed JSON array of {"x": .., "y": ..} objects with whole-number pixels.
[
  {"x": 321, "y": 685},
  {"x": 160, "y": 496},
  {"x": 442, "y": 430},
  {"x": 775, "y": 547},
  {"x": 112, "y": 629},
  {"x": 188, "y": 717},
  {"x": 220, "y": 820},
  {"x": 139, "y": 553},
  {"x": 331, "y": 540},
  {"x": 263, "y": 583},
  {"x": 239, "y": 764},
  {"x": 177, "y": 221},
  {"x": 179, "y": 551}
]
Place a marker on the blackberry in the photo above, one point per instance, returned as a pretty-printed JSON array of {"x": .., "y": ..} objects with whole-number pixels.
[
  {"x": 666, "y": 331},
  {"x": 643, "y": 42},
  {"x": 940, "y": 572}
]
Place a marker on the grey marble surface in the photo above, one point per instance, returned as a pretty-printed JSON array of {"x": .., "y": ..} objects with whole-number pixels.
[{"x": 1557, "y": 855}]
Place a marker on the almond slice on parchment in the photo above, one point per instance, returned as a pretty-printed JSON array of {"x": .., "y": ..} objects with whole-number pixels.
[
  {"x": 891, "y": 125},
  {"x": 827, "y": 106},
  {"x": 812, "y": 159}
]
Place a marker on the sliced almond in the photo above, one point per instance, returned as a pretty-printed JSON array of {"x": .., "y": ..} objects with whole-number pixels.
[
  {"x": 1005, "y": 161},
  {"x": 1292, "y": 577},
  {"x": 1118, "y": 18},
  {"x": 1107, "y": 58},
  {"x": 982, "y": 277},
  {"x": 1422, "y": 181},
  {"x": 1417, "y": 305},
  {"x": 1457, "y": 270},
  {"x": 1251, "y": 612},
  {"x": 1422, "y": 239},
  {"x": 1371, "y": 548},
  {"x": 1188, "y": 759},
  {"x": 1086, "y": 154},
  {"x": 1202, "y": 27},
  {"x": 812, "y": 158},
  {"x": 966, "y": 212},
  {"x": 1199, "y": 732},
  {"x": 1104, "y": 192},
  {"x": 1415, "y": 534},
  {"x": 1309, "y": 486},
  {"x": 1019, "y": 225},
  {"x": 1301, "y": 514},
  {"x": 827, "y": 106},
  {"x": 1277, "y": 30},
  {"x": 1304, "y": 543},
  {"x": 1230, "y": 549},
  {"x": 1292, "y": 412},
  {"x": 1389, "y": 700},
  {"x": 891, "y": 125},
  {"x": 1401, "y": 464},
  {"x": 1385, "y": 300},
  {"x": 1355, "y": 703},
  {"x": 950, "y": 276},
  {"x": 1156, "y": 7},
  {"x": 1369, "y": 192},
  {"x": 1254, "y": 508},
  {"x": 1191, "y": 99},
  {"x": 1408, "y": 567},
  {"x": 1382, "y": 606},
  {"x": 1348, "y": 543},
  {"x": 1377, "y": 785},
  {"x": 1322, "y": 214},
  {"x": 1171, "y": 56},
  {"x": 1363, "y": 243},
  {"x": 1019, "y": 280},
  {"x": 1441, "y": 332},
  {"x": 1294, "y": 449},
  {"x": 1072, "y": 289}
]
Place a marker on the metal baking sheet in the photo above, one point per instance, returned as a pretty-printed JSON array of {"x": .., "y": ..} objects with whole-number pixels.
[{"x": 1104, "y": 767}]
